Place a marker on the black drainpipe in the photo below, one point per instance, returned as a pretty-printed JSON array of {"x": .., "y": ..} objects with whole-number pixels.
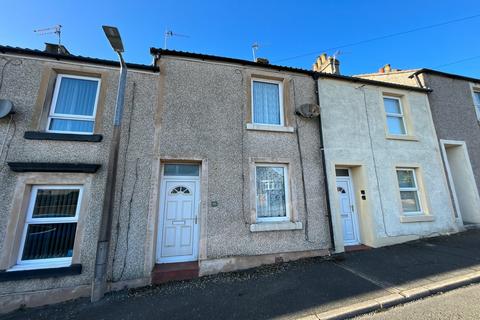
[{"x": 324, "y": 166}]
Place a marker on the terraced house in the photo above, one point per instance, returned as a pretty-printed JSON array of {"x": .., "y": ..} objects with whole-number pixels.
[
  {"x": 224, "y": 164},
  {"x": 53, "y": 156},
  {"x": 455, "y": 107}
]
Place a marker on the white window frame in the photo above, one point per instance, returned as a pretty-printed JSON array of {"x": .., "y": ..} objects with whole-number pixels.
[
  {"x": 287, "y": 193},
  {"x": 476, "y": 103},
  {"x": 63, "y": 116},
  {"x": 51, "y": 262},
  {"x": 280, "y": 98},
  {"x": 400, "y": 115},
  {"x": 416, "y": 189}
]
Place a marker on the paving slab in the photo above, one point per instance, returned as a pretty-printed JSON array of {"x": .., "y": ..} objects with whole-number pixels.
[{"x": 417, "y": 263}]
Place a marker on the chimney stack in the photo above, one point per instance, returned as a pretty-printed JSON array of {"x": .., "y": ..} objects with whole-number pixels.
[
  {"x": 326, "y": 64},
  {"x": 387, "y": 69},
  {"x": 263, "y": 61},
  {"x": 56, "y": 48}
]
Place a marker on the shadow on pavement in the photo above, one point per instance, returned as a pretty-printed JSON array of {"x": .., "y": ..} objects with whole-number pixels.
[{"x": 287, "y": 290}]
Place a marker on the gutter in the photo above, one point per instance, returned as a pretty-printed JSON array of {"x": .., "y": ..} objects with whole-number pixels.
[
  {"x": 205, "y": 57},
  {"x": 59, "y": 57},
  {"x": 444, "y": 74},
  {"x": 324, "y": 166}
]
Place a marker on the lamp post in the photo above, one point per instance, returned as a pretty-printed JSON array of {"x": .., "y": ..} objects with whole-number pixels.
[{"x": 99, "y": 284}]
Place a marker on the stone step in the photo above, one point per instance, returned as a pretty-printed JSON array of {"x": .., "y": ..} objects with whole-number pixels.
[{"x": 166, "y": 272}]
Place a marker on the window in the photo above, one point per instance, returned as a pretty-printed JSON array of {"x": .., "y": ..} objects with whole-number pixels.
[
  {"x": 271, "y": 182},
  {"x": 74, "y": 105},
  {"x": 395, "y": 119},
  {"x": 180, "y": 190},
  {"x": 267, "y": 105},
  {"x": 476, "y": 98},
  {"x": 407, "y": 183},
  {"x": 181, "y": 170},
  {"x": 50, "y": 227}
]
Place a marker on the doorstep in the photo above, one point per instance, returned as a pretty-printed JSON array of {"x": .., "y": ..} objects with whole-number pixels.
[
  {"x": 357, "y": 247},
  {"x": 166, "y": 272}
]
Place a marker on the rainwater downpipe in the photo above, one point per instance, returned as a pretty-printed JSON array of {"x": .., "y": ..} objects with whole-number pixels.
[{"x": 324, "y": 166}]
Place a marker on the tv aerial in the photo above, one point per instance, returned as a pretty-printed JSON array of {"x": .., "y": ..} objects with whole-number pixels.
[
  {"x": 255, "y": 47},
  {"x": 169, "y": 34},
  {"x": 57, "y": 30}
]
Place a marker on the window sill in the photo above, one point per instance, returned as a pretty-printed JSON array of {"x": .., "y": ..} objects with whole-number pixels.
[
  {"x": 261, "y": 127},
  {"x": 39, "y": 135},
  {"x": 275, "y": 226},
  {"x": 416, "y": 218},
  {"x": 400, "y": 137},
  {"x": 53, "y": 167},
  {"x": 15, "y": 275}
]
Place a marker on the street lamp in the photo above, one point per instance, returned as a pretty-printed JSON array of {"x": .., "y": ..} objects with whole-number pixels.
[{"x": 99, "y": 284}]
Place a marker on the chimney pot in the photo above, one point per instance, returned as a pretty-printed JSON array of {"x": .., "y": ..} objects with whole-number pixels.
[{"x": 326, "y": 64}]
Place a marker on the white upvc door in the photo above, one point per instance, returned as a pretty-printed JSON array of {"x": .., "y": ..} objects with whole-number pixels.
[
  {"x": 178, "y": 234},
  {"x": 347, "y": 211}
]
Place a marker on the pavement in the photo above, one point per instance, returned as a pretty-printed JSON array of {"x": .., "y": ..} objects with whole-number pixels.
[
  {"x": 316, "y": 288},
  {"x": 457, "y": 304}
]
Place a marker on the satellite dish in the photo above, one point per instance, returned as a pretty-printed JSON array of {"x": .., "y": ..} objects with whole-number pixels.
[
  {"x": 6, "y": 107},
  {"x": 308, "y": 110}
]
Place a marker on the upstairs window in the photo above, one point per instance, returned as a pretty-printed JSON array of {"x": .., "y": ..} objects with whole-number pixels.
[
  {"x": 395, "y": 116},
  {"x": 407, "y": 183},
  {"x": 74, "y": 105},
  {"x": 50, "y": 227},
  {"x": 267, "y": 102},
  {"x": 476, "y": 98}
]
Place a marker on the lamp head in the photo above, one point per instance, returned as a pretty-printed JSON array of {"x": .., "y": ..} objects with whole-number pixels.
[{"x": 113, "y": 36}]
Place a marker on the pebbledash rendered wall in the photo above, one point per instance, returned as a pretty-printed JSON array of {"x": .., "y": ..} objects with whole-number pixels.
[
  {"x": 454, "y": 114},
  {"x": 202, "y": 116},
  {"x": 23, "y": 82},
  {"x": 354, "y": 127}
]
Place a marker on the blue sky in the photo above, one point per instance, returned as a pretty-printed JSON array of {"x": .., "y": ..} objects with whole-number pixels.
[{"x": 284, "y": 29}]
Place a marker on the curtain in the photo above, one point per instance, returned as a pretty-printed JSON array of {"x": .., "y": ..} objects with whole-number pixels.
[
  {"x": 266, "y": 103},
  {"x": 76, "y": 96},
  {"x": 71, "y": 125},
  {"x": 270, "y": 192}
]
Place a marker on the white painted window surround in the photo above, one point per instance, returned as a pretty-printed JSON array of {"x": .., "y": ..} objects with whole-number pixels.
[
  {"x": 50, "y": 227},
  {"x": 409, "y": 191},
  {"x": 476, "y": 100},
  {"x": 74, "y": 105},
  {"x": 395, "y": 116}
]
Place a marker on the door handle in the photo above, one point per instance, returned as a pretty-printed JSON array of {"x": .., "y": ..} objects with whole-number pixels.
[
  {"x": 351, "y": 206},
  {"x": 195, "y": 219}
]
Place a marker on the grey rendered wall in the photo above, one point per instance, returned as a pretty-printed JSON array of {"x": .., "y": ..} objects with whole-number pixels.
[
  {"x": 204, "y": 116},
  {"x": 454, "y": 115},
  {"x": 21, "y": 84}
]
